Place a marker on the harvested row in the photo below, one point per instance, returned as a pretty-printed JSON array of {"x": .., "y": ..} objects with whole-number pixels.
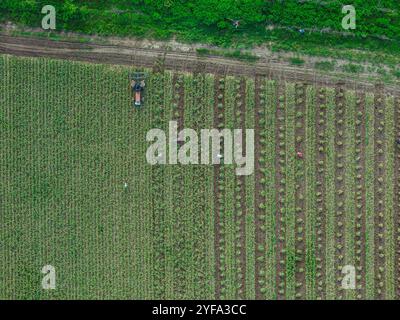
[
  {"x": 250, "y": 199},
  {"x": 259, "y": 219},
  {"x": 396, "y": 201},
  {"x": 379, "y": 191},
  {"x": 300, "y": 192},
  {"x": 280, "y": 187},
  {"x": 339, "y": 188},
  {"x": 320, "y": 190},
  {"x": 310, "y": 142},
  {"x": 360, "y": 196},
  {"x": 219, "y": 192},
  {"x": 269, "y": 192},
  {"x": 240, "y": 195}
]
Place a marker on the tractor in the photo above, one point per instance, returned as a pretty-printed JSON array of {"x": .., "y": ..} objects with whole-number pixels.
[{"x": 137, "y": 87}]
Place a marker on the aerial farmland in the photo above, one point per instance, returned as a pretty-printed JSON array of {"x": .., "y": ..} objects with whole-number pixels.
[{"x": 316, "y": 218}]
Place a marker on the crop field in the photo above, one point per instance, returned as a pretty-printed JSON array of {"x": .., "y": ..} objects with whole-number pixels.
[{"x": 77, "y": 193}]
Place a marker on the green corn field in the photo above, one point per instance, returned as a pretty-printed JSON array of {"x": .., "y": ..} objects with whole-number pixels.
[{"x": 77, "y": 193}]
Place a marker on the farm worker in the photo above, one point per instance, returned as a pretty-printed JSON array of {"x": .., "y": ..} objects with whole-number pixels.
[
  {"x": 398, "y": 141},
  {"x": 235, "y": 23},
  {"x": 125, "y": 185},
  {"x": 302, "y": 31},
  {"x": 300, "y": 154}
]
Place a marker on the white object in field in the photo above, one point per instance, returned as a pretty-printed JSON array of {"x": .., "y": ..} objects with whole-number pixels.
[
  {"x": 219, "y": 156},
  {"x": 125, "y": 185}
]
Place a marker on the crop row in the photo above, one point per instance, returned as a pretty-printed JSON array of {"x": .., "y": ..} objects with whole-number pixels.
[
  {"x": 197, "y": 112},
  {"x": 158, "y": 191},
  {"x": 180, "y": 235}
]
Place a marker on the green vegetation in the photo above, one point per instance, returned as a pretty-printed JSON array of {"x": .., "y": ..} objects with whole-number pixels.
[
  {"x": 78, "y": 193},
  {"x": 396, "y": 73},
  {"x": 353, "y": 68},
  {"x": 296, "y": 61},
  {"x": 236, "y": 54},
  {"x": 210, "y": 21},
  {"x": 325, "y": 65}
]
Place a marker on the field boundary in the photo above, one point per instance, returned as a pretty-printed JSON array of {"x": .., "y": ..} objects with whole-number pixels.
[{"x": 178, "y": 61}]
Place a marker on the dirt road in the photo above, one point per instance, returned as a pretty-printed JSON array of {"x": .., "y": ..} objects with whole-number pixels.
[{"x": 128, "y": 55}]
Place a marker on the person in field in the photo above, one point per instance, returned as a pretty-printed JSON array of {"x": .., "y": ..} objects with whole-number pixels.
[{"x": 300, "y": 154}]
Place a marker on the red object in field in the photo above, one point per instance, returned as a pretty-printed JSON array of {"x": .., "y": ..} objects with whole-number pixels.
[
  {"x": 137, "y": 97},
  {"x": 300, "y": 154}
]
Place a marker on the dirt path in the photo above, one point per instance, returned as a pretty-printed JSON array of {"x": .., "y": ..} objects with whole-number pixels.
[
  {"x": 320, "y": 189},
  {"x": 360, "y": 194},
  {"x": 174, "y": 60}
]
